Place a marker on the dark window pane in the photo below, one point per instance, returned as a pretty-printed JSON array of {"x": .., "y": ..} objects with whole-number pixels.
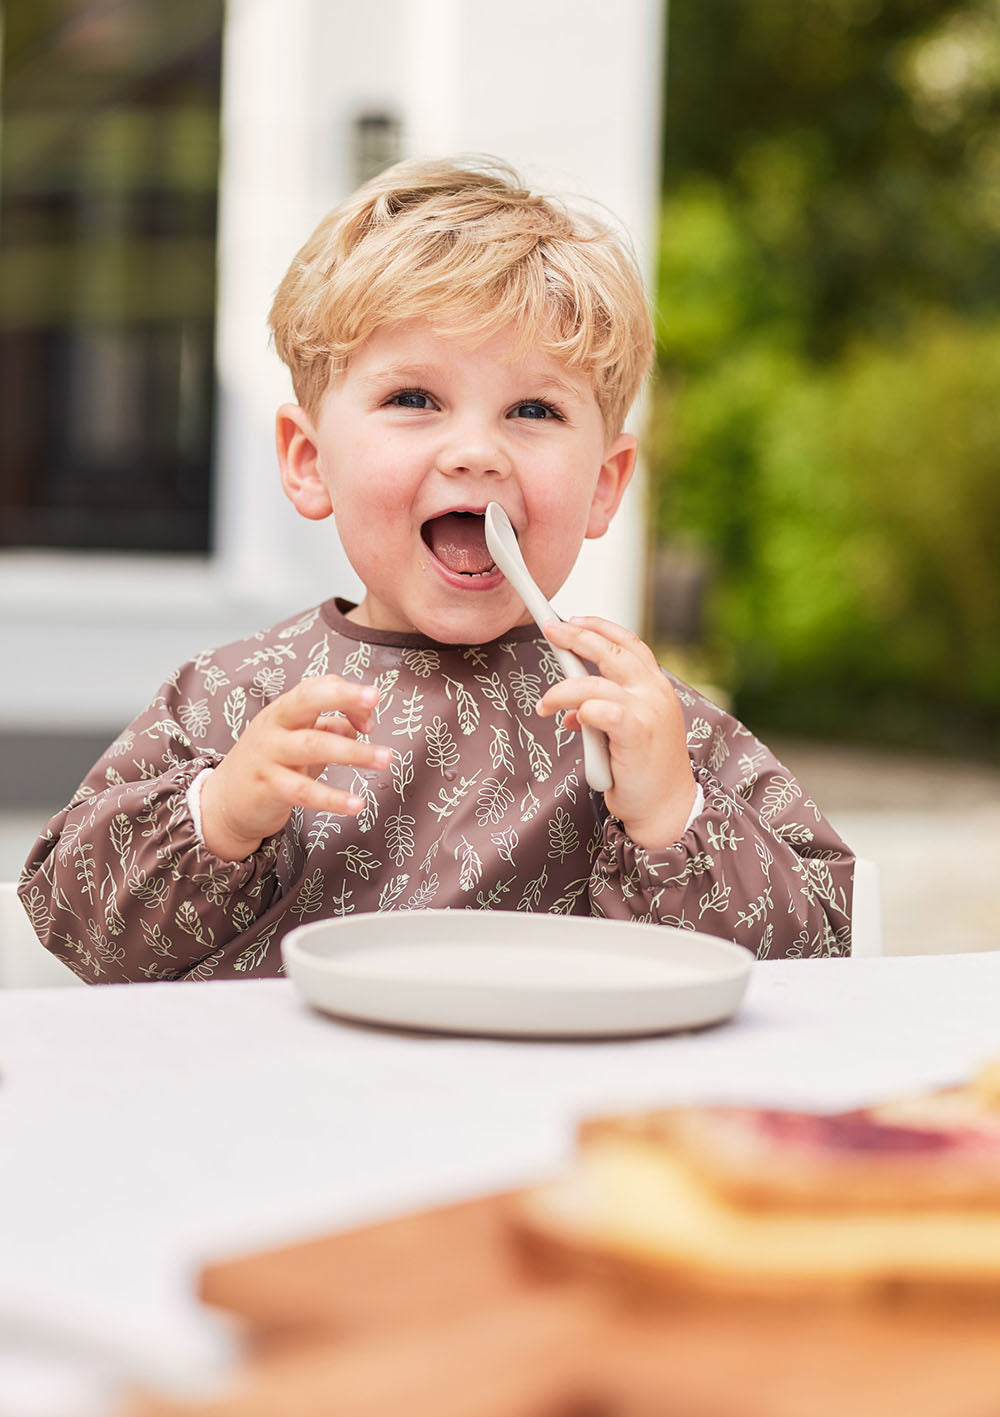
[{"x": 109, "y": 152}]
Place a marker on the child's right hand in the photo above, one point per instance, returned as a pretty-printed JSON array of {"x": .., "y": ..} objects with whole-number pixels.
[{"x": 274, "y": 764}]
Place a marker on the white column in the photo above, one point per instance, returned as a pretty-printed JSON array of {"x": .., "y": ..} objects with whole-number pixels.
[{"x": 568, "y": 91}]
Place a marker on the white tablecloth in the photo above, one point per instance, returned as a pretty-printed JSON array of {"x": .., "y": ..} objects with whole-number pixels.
[{"x": 146, "y": 1129}]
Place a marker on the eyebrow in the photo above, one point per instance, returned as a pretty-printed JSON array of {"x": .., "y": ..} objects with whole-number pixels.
[{"x": 402, "y": 373}]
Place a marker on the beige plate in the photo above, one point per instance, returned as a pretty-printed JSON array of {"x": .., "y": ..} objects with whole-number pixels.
[{"x": 512, "y": 974}]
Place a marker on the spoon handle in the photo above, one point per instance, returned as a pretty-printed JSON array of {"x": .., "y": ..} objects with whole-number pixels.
[
  {"x": 502, "y": 542},
  {"x": 596, "y": 758}
]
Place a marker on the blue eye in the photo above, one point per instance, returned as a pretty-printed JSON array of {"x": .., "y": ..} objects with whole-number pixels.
[
  {"x": 412, "y": 398},
  {"x": 536, "y": 408}
]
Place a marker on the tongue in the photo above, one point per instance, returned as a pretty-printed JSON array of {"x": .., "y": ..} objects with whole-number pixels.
[{"x": 460, "y": 543}]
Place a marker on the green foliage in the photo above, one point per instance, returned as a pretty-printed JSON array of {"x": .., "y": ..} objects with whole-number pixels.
[{"x": 827, "y": 418}]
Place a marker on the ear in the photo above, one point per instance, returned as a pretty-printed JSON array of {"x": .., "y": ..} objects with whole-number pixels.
[
  {"x": 614, "y": 476},
  {"x": 298, "y": 458}
]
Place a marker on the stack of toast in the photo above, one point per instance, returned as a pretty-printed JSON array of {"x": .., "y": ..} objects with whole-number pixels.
[{"x": 899, "y": 1198}]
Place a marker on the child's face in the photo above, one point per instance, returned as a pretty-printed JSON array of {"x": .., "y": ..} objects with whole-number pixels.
[{"x": 420, "y": 431}]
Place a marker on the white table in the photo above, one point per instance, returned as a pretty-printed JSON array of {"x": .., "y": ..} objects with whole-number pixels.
[{"x": 146, "y": 1129}]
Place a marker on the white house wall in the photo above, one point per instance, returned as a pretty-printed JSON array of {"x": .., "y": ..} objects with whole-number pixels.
[{"x": 567, "y": 90}]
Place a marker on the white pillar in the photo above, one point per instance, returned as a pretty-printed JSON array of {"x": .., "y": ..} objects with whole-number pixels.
[{"x": 566, "y": 90}]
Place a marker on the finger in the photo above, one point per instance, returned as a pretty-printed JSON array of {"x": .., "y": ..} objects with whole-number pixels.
[
  {"x": 607, "y": 717},
  {"x": 339, "y": 723},
  {"x": 325, "y": 693},
  {"x": 312, "y": 746},
  {"x": 571, "y": 693},
  {"x": 623, "y": 661},
  {"x": 617, "y": 634},
  {"x": 297, "y": 790}
]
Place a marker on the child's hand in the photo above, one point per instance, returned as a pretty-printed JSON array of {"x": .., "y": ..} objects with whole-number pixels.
[
  {"x": 635, "y": 705},
  {"x": 273, "y": 765}
]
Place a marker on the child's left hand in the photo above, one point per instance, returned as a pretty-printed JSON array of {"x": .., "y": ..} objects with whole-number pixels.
[{"x": 635, "y": 705}]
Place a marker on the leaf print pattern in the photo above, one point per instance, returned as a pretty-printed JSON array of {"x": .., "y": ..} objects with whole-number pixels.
[
  {"x": 698, "y": 730},
  {"x": 472, "y": 813},
  {"x": 722, "y": 836},
  {"x": 568, "y": 787},
  {"x": 493, "y": 801},
  {"x": 501, "y": 750},
  {"x": 402, "y": 772},
  {"x": 301, "y": 625},
  {"x": 359, "y": 861},
  {"x": 442, "y": 750},
  {"x": 37, "y": 909},
  {"x": 718, "y": 748},
  {"x": 422, "y": 662},
  {"x": 195, "y": 717},
  {"x": 384, "y": 684},
  {"x": 268, "y": 682},
  {"x": 716, "y": 898},
  {"x": 319, "y": 659},
  {"x": 399, "y": 839},
  {"x": 121, "y": 835},
  {"x": 215, "y": 679},
  {"x": 506, "y": 843},
  {"x": 234, "y": 711},
  {"x": 471, "y": 865},
  {"x": 410, "y": 720},
  {"x": 391, "y": 891},
  {"x": 425, "y": 894},
  {"x": 495, "y": 691},
  {"x": 491, "y": 900},
  {"x": 532, "y": 894},
  {"x": 122, "y": 744},
  {"x": 310, "y": 896},
  {"x": 550, "y": 666},
  {"x": 449, "y": 801},
  {"x": 362, "y": 787},
  {"x": 530, "y": 805},
  {"x": 527, "y": 689},
  {"x": 322, "y": 826},
  {"x": 254, "y": 955},
  {"x": 779, "y": 795},
  {"x": 357, "y": 662},
  {"x": 468, "y": 708},
  {"x": 564, "y": 839},
  {"x": 538, "y": 757}
]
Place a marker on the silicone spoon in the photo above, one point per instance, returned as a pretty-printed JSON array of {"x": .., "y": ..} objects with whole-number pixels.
[{"x": 502, "y": 542}]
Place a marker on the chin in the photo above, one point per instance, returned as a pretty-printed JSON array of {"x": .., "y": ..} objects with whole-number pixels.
[{"x": 471, "y": 626}]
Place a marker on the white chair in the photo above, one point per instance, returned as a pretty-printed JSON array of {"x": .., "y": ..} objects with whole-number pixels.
[
  {"x": 25, "y": 963},
  {"x": 866, "y": 911}
]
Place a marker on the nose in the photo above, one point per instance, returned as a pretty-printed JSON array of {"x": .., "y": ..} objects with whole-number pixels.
[{"x": 473, "y": 447}]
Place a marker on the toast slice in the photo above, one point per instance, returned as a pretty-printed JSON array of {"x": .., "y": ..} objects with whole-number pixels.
[{"x": 904, "y": 1197}]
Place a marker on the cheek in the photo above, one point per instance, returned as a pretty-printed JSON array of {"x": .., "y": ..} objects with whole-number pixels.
[
  {"x": 561, "y": 499},
  {"x": 383, "y": 474}
]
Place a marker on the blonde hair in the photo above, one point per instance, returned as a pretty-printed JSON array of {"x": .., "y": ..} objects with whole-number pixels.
[{"x": 465, "y": 245}]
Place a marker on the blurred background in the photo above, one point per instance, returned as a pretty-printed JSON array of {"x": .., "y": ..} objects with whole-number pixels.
[{"x": 813, "y": 188}]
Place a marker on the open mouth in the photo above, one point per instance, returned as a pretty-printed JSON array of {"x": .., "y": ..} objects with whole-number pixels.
[{"x": 458, "y": 540}]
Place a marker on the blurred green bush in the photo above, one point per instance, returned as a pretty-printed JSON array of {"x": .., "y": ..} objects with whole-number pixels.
[{"x": 826, "y": 418}]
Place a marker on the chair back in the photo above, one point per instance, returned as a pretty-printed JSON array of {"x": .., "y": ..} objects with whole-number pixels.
[{"x": 866, "y": 911}]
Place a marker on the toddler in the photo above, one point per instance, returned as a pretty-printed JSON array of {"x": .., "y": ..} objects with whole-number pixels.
[{"x": 453, "y": 339}]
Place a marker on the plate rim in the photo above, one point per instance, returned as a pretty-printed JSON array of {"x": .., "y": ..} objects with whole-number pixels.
[{"x": 313, "y": 975}]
